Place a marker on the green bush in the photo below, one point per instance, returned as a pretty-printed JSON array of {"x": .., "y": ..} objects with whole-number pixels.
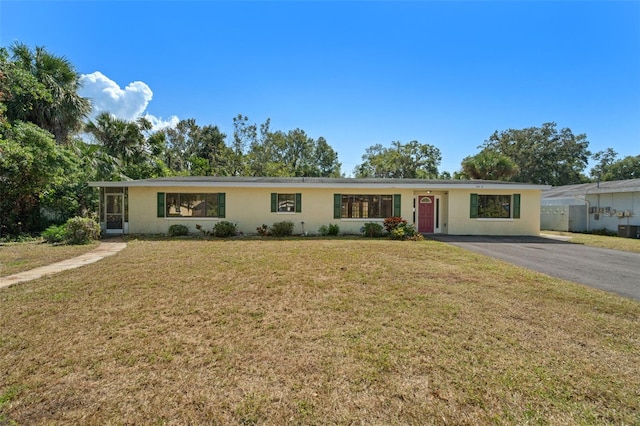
[
  {"x": 178, "y": 230},
  {"x": 331, "y": 229},
  {"x": 81, "y": 230},
  {"x": 54, "y": 234},
  {"x": 224, "y": 229},
  {"x": 263, "y": 230},
  {"x": 334, "y": 229},
  {"x": 282, "y": 229},
  {"x": 397, "y": 233},
  {"x": 392, "y": 223},
  {"x": 372, "y": 230},
  {"x": 405, "y": 231},
  {"x": 409, "y": 230},
  {"x": 603, "y": 231}
]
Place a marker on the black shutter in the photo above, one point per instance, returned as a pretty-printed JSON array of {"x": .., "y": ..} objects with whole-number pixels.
[
  {"x": 516, "y": 206},
  {"x": 397, "y": 205},
  {"x": 161, "y": 212},
  {"x": 221, "y": 204},
  {"x": 473, "y": 211},
  {"x": 337, "y": 206}
]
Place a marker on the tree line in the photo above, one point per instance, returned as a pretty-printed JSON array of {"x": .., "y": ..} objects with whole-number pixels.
[{"x": 50, "y": 150}]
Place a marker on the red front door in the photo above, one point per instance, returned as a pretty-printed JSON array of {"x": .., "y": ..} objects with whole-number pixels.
[{"x": 425, "y": 213}]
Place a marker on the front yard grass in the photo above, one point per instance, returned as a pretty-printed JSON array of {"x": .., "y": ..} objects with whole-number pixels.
[
  {"x": 308, "y": 331},
  {"x": 19, "y": 257},
  {"x": 602, "y": 241}
]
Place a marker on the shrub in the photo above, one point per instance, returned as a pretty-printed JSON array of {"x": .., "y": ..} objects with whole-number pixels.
[
  {"x": 603, "y": 231},
  {"x": 397, "y": 233},
  {"x": 409, "y": 230},
  {"x": 282, "y": 229},
  {"x": 81, "y": 230},
  {"x": 405, "y": 231},
  {"x": 54, "y": 234},
  {"x": 224, "y": 229},
  {"x": 202, "y": 230},
  {"x": 332, "y": 229},
  {"x": 263, "y": 230},
  {"x": 178, "y": 230},
  {"x": 372, "y": 230},
  {"x": 392, "y": 223}
]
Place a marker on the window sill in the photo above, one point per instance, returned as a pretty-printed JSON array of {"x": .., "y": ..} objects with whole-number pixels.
[
  {"x": 191, "y": 217},
  {"x": 362, "y": 219},
  {"x": 496, "y": 219}
]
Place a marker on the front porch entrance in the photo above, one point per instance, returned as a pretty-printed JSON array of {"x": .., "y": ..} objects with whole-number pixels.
[
  {"x": 113, "y": 210},
  {"x": 425, "y": 214},
  {"x": 114, "y": 204},
  {"x": 428, "y": 212}
]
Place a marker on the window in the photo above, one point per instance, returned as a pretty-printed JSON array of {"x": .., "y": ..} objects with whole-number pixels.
[
  {"x": 191, "y": 205},
  {"x": 495, "y": 206},
  {"x": 286, "y": 203},
  {"x": 348, "y": 206}
]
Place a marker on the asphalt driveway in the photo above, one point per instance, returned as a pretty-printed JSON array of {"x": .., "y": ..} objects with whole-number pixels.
[{"x": 609, "y": 270}]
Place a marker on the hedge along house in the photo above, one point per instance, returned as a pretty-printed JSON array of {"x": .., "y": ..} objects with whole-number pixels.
[{"x": 455, "y": 207}]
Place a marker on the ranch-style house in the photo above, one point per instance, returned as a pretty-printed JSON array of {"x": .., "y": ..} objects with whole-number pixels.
[{"x": 456, "y": 207}]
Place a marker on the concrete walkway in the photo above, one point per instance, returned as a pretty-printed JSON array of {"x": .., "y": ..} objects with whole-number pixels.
[{"x": 106, "y": 248}]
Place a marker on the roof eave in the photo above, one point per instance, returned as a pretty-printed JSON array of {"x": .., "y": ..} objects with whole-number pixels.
[{"x": 351, "y": 185}]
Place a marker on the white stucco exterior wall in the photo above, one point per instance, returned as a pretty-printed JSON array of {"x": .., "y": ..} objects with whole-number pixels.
[
  {"x": 251, "y": 207},
  {"x": 460, "y": 222}
]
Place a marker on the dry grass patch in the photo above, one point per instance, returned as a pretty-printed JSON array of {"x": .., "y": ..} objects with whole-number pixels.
[
  {"x": 603, "y": 241},
  {"x": 314, "y": 332},
  {"x": 19, "y": 257}
]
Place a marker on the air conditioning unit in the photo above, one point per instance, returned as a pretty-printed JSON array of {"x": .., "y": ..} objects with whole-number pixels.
[{"x": 629, "y": 231}]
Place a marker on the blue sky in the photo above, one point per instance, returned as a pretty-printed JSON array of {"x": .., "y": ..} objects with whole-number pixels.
[{"x": 357, "y": 73}]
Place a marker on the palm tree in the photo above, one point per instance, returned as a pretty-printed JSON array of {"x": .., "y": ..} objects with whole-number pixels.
[
  {"x": 133, "y": 155},
  {"x": 489, "y": 165},
  {"x": 63, "y": 111},
  {"x": 121, "y": 139}
]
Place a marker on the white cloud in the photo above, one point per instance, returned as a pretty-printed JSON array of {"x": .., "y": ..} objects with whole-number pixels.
[
  {"x": 159, "y": 123},
  {"x": 129, "y": 103}
]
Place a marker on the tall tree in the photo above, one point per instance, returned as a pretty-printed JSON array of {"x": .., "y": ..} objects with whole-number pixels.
[
  {"x": 604, "y": 160},
  {"x": 195, "y": 150},
  {"x": 45, "y": 91},
  {"x": 293, "y": 153},
  {"x": 126, "y": 143},
  {"x": 244, "y": 136},
  {"x": 610, "y": 168},
  {"x": 488, "y": 165},
  {"x": 544, "y": 155},
  {"x": 30, "y": 165},
  {"x": 411, "y": 160}
]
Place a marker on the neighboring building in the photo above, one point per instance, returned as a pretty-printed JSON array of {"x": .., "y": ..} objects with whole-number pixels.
[
  {"x": 456, "y": 207},
  {"x": 614, "y": 206}
]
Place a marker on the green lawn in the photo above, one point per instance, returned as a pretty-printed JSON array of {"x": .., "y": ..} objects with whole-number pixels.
[
  {"x": 314, "y": 331},
  {"x": 19, "y": 257},
  {"x": 603, "y": 241}
]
